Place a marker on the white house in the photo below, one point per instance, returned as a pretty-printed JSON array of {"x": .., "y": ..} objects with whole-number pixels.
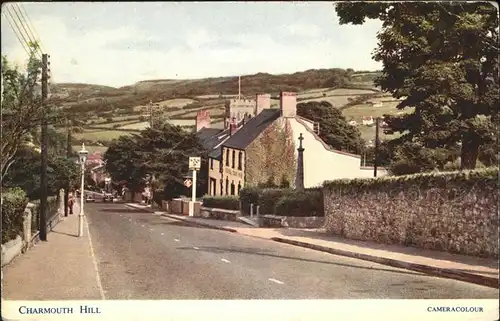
[{"x": 368, "y": 120}]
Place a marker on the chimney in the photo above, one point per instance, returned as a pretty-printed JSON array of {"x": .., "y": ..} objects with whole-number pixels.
[
  {"x": 233, "y": 127},
  {"x": 202, "y": 120},
  {"x": 263, "y": 101},
  {"x": 288, "y": 104}
]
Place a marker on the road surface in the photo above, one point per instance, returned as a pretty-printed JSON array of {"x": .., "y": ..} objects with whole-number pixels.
[{"x": 144, "y": 256}]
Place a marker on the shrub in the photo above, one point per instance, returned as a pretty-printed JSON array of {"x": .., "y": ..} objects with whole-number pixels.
[
  {"x": 269, "y": 197},
  {"x": 248, "y": 195},
  {"x": 14, "y": 204},
  {"x": 224, "y": 202},
  {"x": 158, "y": 196},
  {"x": 307, "y": 203}
]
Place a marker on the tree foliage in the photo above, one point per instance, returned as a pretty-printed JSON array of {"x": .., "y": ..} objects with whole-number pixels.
[
  {"x": 21, "y": 107},
  {"x": 161, "y": 153},
  {"x": 442, "y": 59},
  {"x": 334, "y": 129},
  {"x": 25, "y": 172}
]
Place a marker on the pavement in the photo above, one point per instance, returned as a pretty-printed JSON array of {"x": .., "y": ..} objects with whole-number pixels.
[
  {"x": 62, "y": 267},
  {"x": 132, "y": 254},
  {"x": 455, "y": 266}
]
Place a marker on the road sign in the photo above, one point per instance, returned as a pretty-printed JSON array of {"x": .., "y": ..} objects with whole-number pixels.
[
  {"x": 188, "y": 183},
  {"x": 194, "y": 163}
]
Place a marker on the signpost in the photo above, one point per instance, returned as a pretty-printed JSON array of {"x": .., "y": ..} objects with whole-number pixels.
[
  {"x": 194, "y": 165},
  {"x": 188, "y": 183}
]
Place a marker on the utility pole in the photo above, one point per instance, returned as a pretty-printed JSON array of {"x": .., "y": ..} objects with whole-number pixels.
[
  {"x": 68, "y": 155},
  {"x": 44, "y": 143},
  {"x": 150, "y": 114},
  {"x": 375, "y": 165}
]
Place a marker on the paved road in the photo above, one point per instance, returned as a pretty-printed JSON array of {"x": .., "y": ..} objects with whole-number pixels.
[{"x": 144, "y": 256}]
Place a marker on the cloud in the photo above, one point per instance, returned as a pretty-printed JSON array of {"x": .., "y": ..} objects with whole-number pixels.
[{"x": 191, "y": 41}]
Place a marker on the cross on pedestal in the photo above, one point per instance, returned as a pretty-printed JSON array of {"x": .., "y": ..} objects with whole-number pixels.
[
  {"x": 301, "y": 138},
  {"x": 299, "y": 180}
]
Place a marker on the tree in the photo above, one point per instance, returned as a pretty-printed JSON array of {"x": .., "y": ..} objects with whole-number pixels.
[
  {"x": 25, "y": 172},
  {"x": 334, "y": 129},
  {"x": 124, "y": 162},
  {"x": 166, "y": 151},
  {"x": 161, "y": 153},
  {"x": 21, "y": 107},
  {"x": 442, "y": 59}
]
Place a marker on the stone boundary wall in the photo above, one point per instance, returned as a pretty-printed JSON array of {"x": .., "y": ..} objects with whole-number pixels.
[
  {"x": 455, "y": 212},
  {"x": 15, "y": 247}
]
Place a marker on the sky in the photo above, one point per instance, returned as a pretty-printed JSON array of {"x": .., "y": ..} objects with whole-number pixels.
[{"x": 119, "y": 44}]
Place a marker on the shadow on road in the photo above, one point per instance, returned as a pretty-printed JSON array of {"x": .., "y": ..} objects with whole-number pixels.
[
  {"x": 119, "y": 210},
  {"x": 68, "y": 234},
  {"x": 183, "y": 224},
  {"x": 258, "y": 251}
]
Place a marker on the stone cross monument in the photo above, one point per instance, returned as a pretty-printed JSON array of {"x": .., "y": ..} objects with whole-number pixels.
[{"x": 299, "y": 180}]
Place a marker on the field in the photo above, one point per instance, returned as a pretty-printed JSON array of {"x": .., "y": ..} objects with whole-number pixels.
[
  {"x": 109, "y": 113},
  {"x": 100, "y": 135}
]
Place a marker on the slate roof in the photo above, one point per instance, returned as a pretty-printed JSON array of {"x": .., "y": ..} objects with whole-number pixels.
[
  {"x": 249, "y": 132},
  {"x": 206, "y": 133},
  {"x": 211, "y": 139}
]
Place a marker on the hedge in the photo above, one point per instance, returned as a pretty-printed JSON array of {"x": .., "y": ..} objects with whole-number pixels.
[
  {"x": 248, "y": 195},
  {"x": 14, "y": 204},
  {"x": 224, "y": 202},
  {"x": 484, "y": 177},
  {"x": 269, "y": 197},
  {"x": 35, "y": 212},
  {"x": 307, "y": 203}
]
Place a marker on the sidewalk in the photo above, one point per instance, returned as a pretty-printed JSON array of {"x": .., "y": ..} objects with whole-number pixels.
[
  {"x": 60, "y": 269},
  {"x": 455, "y": 266}
]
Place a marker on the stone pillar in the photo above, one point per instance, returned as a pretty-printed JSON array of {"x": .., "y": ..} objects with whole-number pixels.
[
  {"x": 299, "y": 180},
  {"x": 27, "y": 218}
]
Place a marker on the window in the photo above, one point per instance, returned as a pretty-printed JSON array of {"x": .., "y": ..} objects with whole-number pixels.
[
  {"x": 240, "y": 158},
  {"x": 227, "y": 186},
  {"x": 221, "y": 187},
  {"x": 234, "y": 159},
  {"x": 227, "y": 157},
  {"x": 211, "y": 163},
  {"x": 232, "y": 188},
  {"x": 239, "y": 187}
]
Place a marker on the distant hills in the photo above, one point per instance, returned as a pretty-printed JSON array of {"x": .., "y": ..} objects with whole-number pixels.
[{"x": 83, "y": 98}]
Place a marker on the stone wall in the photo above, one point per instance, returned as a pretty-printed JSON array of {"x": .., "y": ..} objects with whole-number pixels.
[{"x": 454, "y": 212}]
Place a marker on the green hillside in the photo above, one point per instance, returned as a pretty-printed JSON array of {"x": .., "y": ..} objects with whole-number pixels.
[{"x": 106, "y": 113}]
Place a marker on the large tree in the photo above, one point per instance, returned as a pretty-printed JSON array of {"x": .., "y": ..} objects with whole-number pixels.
[
  {"x": 124, "y": 162},
  {"x": 333, "y": 127},
  {"x": 166, "y": 150},
  {"x": 442, "y": 60},
  {"x": 21, "y": 107},
  {"x": 162, "y": 153}
]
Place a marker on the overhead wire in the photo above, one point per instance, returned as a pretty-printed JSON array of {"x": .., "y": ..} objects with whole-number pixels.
[
  {"x": 27, "y": 43},
  {"x": 32, "y": 27},
  {"x": 17, "y": 35},
  {"x": 33, "y": 43}
]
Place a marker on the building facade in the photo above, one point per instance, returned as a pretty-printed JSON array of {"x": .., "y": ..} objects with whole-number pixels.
[{"x": 261, "y": 148}]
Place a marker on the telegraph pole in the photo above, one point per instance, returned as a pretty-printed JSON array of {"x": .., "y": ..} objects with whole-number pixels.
[
  {"x": 44, "y": 143},
  {"x": 150, "y": 114},
  {"x": 68, "y": 155},
  {"x": 375, "y": 165}
]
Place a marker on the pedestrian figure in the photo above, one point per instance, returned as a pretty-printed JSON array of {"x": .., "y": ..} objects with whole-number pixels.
[{"x": 71, "y": 201}]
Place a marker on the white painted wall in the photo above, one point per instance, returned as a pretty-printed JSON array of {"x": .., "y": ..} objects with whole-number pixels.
[{"x": 321, "y": 164}]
